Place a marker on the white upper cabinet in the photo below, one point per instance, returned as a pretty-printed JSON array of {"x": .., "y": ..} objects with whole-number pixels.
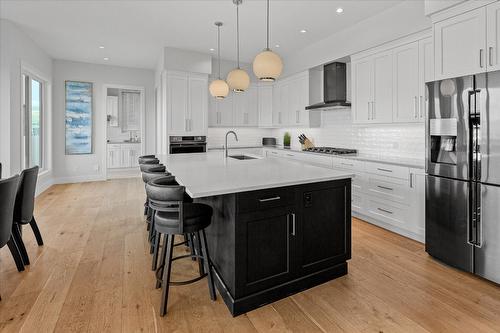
[
  {"x": 493, "y": 36},
  {"x": 388, "y": 86},
  {"x": 245, "y": 107},
  {"x": 197, "y": 104},
  {"x": 362, "y": 93},
  {"x": 460, "y": 44},
  {"x": 265, "y": 96},
  {"x": 406, "y": 83},
  {"x": 177, "y": 103},
  {"x": 382, "y": 104},
  {"x": 372, "y": 89},
  {"x": 425, "y": 73},
  {"x": 187, "y": 103}
]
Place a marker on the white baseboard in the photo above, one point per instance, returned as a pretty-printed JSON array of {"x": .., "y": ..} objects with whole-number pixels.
[{"x": 406, "y": 233}]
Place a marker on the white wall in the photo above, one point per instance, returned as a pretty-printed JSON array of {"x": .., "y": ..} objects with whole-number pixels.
[
  {"x": 73, "y": 168},
  {"x": 394, "y": 23},
  {"x": 17, "y": 50}
]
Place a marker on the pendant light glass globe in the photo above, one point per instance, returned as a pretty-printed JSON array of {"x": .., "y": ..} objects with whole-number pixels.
[
  {"x": 238, "y": 79},
  {"x": 218, "y": 88},
  {"x": 267, "y": 65}
]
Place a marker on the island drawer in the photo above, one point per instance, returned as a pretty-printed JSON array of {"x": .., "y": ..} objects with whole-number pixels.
[{"x": 264, "y": 199}]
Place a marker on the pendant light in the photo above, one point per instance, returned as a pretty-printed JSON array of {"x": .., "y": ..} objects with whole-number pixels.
[
  {"x": 238, "y": 79},
  {"x": 267, "y": 65},
  {"x": 218, "y": 88}
]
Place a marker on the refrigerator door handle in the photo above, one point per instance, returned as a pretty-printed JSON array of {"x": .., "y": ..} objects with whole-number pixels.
[
  {"x": 471, "y": 229},
  {"x": 479, "y": 231}
]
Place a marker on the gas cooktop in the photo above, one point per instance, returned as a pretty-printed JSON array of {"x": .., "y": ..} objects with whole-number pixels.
[{"x": 331, "y": 150}]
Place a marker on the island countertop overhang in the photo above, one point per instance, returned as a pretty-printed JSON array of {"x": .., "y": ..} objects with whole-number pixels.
[{"x": 211, "y": 173}]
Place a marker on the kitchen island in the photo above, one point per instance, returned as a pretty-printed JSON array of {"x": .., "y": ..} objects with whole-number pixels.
[{"x": 279, "y": 226}]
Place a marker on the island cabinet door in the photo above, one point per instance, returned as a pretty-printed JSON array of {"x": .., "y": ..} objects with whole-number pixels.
[
  {"x": 264, "y": 250},
  {"x": 323, "y": 226}
]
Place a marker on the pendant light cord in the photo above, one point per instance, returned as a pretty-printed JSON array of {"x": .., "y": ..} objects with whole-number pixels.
[
  {"x": 218, "y": 46},
  {"x": 267, "y": 45},
  {"x": 238, "y": 34}
]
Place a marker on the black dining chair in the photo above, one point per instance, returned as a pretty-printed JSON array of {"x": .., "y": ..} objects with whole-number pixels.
[
  {"x": 8, "y": 189},
  {"x": 174, "y": 217},
  {"x": 23, "y": 210}
]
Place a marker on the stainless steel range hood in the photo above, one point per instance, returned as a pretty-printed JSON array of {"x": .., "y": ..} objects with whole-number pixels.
[{"x": 332, "y": 80}]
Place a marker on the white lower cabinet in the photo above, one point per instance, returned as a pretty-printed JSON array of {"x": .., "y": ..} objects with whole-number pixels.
[
  {"x": 123, "y": 155},
  {"x": 388, "y": 195}
]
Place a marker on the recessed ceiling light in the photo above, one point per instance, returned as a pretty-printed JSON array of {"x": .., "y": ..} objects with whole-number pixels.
[
  {"x": 277, "y": 45},
  {"x": 101, "y": 47},
  {"x": 106, "y": 58},
  {"x": 340, "y": 10},
  {"x": 303, "y": 31},
  {"x": 212, "y": 49}
]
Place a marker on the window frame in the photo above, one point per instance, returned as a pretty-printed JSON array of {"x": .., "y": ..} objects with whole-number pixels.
[{"x": 27, "y": 76}]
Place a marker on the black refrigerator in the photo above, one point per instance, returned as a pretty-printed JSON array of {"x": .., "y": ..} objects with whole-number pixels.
[{"x": 462, "y": 226}]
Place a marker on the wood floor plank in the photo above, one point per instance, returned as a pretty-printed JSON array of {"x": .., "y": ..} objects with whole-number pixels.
[{"x": 94, "y": 275}]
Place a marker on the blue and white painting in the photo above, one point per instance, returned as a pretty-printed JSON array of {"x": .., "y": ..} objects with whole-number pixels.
[{"x": 78, "y": 118}]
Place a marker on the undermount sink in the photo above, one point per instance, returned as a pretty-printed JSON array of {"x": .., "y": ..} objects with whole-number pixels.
[{"x": 242, "y": 157}]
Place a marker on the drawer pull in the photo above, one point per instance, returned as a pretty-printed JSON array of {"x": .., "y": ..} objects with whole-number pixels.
[
  {"x": 270, "y": 199},
  {"x": 385, "y": 211},
  {"x": 273, "y": 152},
  {"x": 290, "y": 155},
  {"x": 347, "y": 164},
  {"x": 385, "y": 170},
  {"x": 385, "y": 188}
]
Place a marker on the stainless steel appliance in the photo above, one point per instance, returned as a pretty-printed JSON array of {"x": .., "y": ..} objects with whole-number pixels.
[
  {"x": 269, "y": 142},
  {"x": 188, "y": 144},
  {"x": 331, "y": 150},
  {"x": 334, "y": 86},
  {"x": 463, "y": 173}
]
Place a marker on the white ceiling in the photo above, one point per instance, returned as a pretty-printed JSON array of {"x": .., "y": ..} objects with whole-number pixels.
[{"x": 133, "y": 32}]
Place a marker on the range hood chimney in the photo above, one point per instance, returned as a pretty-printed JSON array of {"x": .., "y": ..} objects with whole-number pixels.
[{"x": 334, "y": 87}]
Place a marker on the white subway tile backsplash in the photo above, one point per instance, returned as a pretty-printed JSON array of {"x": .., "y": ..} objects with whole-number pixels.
[
  {"x": 246, "y": 136},
  {"x": 337, "y": 130}
]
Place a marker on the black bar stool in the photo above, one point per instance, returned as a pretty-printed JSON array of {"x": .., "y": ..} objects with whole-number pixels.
[
  {"x": 147, "y": 176},
  {"x": 8, "y": 189},
  {"x": 23, "y": 210},
  {"x": 175, "y": 217},
  {"x": 152, "y": 167}
]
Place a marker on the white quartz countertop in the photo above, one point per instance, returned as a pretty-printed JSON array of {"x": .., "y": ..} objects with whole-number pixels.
[
  {"x": 209, "y": 174},
  {"x": 401, "y": 161}
]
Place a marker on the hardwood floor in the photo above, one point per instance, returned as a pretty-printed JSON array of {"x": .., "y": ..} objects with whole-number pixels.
[{"x": 93, "y": 274}]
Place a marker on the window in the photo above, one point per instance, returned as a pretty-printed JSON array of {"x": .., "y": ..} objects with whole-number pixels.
[{"x": 33, "y": 108}]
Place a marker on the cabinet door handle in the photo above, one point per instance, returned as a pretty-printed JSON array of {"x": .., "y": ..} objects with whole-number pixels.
[
  {"x": 420, "y": 106},
  {"x": 385, "y": 211},
  {"x": 368, "y": 108},
  {"x": 411, "y": 179},
  {"x": 374, "y": 114},
  {"x": 186, "y": 125},
  {"x": 385, "y": 188},
  {"x": 415, "y": 112},
  {"x": 385, "y": 170},
  {"x": 270, "y": 199},
  {"x": 293, "y": 223},
  {"x": 481, "y": 58},
  {"x": 291, "y": 155},
  {"x": 490, "y": 55},
  {"x": 347, "y": 164}
]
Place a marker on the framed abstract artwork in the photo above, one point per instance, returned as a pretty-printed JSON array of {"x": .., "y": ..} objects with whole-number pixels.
[{"x": 78, "y": 116}]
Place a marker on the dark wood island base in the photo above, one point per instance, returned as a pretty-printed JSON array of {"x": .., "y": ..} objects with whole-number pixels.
[{"x": 268, "y": 244}]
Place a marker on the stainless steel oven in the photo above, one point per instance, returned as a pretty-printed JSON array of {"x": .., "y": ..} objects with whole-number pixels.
[{"x": 187, "y": 144}]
